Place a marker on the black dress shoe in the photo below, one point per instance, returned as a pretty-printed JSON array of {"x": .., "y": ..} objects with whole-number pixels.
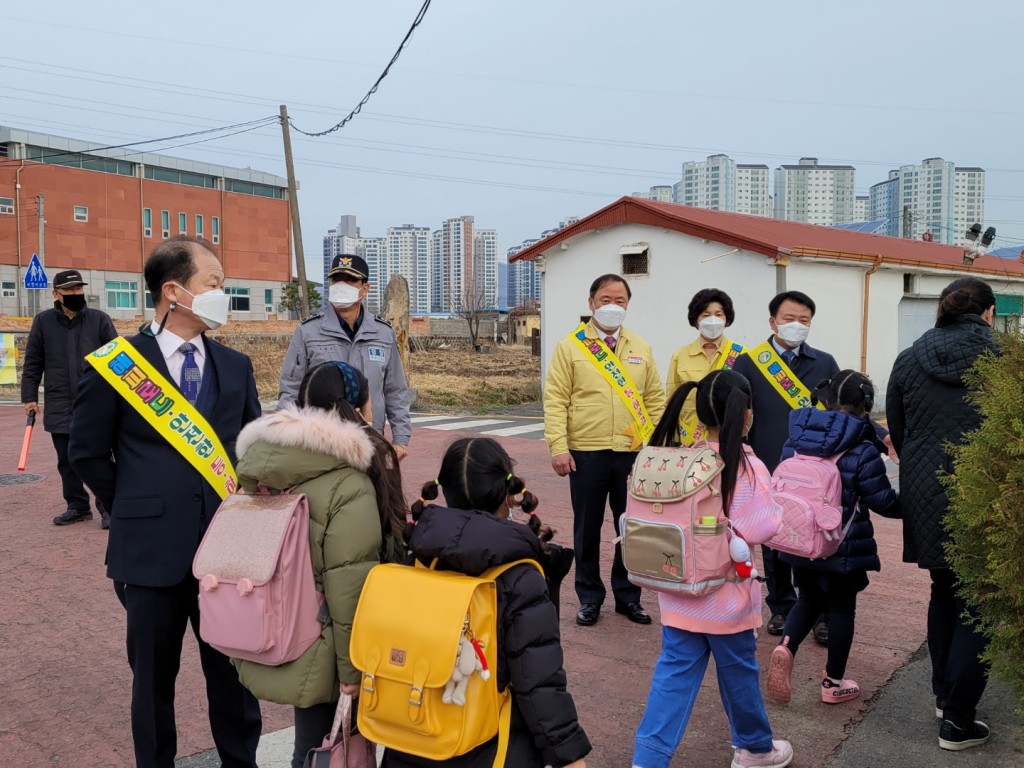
[
  {"x": 776, "y": 624},
  {"x": 820, "y": 633},
  {"x": 104, "y": 519},
  {"x": 72, "y": 516},
  {"x": 634, "y": 612},
  {"x": 587, "y": 615}
]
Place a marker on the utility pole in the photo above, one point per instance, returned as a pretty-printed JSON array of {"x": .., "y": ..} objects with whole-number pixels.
[
  {"x": 293, "y": 205},
  {"x": 906, "y": 222}
]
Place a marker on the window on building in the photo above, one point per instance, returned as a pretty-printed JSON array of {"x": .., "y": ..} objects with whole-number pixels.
[
  {"x": 239, "y": 299},
  {"x": 8, "y": 289},
  {"x": 6, "y": 206},
  {"x": 122, "y": 294},
  {"x": 81, "y": 213},
  {"x": 268, "y": 299},
  {"x": 149, "y": 300},
  {"x": 215, "y": 229},
  {"x": 635, "y": 259},
  {"x": 199, "y": 225},
  {"x": 165, "y": 224},
  {"x": 147, "y": 222},
  {"x": 182, "y": 223}
]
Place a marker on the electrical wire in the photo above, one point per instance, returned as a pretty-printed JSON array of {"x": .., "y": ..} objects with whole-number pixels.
[{"x": 373, "y": 89}]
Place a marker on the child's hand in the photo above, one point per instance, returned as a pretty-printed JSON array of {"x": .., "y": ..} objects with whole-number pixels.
[{"x": 892, "y": 451}]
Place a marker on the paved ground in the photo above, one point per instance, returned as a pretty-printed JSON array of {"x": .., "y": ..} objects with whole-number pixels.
[{"x": 65, "y": 683}]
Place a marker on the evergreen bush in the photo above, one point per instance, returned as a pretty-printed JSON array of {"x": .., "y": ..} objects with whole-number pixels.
[{"x": 986, "y": 515}]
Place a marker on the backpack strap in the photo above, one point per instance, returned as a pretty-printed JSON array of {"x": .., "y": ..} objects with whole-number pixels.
[
  {"x": 504, "y": 727},
  {"x": 496, "y": 571}
]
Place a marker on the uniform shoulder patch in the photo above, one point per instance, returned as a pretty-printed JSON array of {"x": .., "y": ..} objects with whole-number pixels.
[
  {"x": 382, "y": 321},
  {"x": 313, "y": 316}
]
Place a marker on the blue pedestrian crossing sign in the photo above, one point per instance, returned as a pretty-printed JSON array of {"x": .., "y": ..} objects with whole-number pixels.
[{"x": 35, "y": 277}]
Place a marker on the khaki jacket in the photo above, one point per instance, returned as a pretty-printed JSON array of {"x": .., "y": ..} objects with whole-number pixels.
[{"x": 581, "y": 410}]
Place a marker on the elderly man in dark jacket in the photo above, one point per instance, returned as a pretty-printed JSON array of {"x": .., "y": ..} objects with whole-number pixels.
[
  {"x": 55, "y": 355},
  {"x": 927, "y": 408}
]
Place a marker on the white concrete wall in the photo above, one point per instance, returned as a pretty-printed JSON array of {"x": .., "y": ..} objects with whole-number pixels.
[{"x": 658, "y": 308}]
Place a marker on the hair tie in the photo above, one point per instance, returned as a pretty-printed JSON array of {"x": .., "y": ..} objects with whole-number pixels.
[
  {"x": 422, "y": 500},
  {"x": 522, "y": 492},
  {"x": 508, "y": 477},
  {"x": 437, "y": 483}
]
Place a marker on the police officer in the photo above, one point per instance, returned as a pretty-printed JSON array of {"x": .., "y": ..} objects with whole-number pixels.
[
  {"x": 351, "y": 334},
  {"x": 55, "y": 355}
]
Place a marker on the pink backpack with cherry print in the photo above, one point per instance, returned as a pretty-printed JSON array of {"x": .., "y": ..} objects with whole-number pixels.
[{"x": 674, "y": 531}]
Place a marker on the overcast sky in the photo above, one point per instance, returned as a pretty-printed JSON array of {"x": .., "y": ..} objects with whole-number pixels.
[{"x": 521, "y": 113}]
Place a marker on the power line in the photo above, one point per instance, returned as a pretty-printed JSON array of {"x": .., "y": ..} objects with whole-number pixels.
[{"x": 373, "y": 89}]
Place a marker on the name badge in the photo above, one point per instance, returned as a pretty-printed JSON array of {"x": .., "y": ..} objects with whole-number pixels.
[
  {"x": 634, "y": 360},
  {"x": 377, "y": 355}
]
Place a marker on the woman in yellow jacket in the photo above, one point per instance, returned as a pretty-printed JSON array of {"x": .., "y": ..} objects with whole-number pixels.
[{"x": 710, "y": 312}]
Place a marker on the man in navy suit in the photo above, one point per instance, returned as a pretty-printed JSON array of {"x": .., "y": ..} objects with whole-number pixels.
[{"x": 160, "y": 505}]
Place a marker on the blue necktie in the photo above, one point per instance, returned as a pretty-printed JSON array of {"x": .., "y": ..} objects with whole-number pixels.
[
  {"x": 191, "y": 376},
  {"x": 789, "y": 356}
]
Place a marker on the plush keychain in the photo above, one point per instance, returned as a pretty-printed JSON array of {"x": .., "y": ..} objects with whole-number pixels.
[
  {"x": 469, "y": 659},
  {"x": 739, "y": 551}
]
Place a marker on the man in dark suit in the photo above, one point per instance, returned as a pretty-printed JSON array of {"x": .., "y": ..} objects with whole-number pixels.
[
  {"x": 790, "y": 316},
  {"x": 160, "y": 505}
]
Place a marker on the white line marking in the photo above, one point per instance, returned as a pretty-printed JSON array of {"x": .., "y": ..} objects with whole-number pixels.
[
  {"x": 459, "y": 425},
  {"x": 518, "y": 430},
  {"x": 425, "y": 419}
]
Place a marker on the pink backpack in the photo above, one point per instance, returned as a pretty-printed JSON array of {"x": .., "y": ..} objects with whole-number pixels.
[
  {"x": 810, "y": 491},
  {"x": 674, "y": 531},
  {"x": 257, "y": 595}
]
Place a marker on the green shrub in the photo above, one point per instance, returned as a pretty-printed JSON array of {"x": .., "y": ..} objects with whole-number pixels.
[{"x": 986, "y": 517}]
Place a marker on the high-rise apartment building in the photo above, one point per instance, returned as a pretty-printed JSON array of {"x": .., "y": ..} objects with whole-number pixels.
[
  {"x": 968, "y": 200},
  {"x": 708, "y": 183},
  {"x": 752, "y": 190},
  {"x": 862, "y": 208},
  {"x": 884, "y": 204},
  {"x": 815, "y": 194},
  {"x": 485, "y": 266},
  {"x": 927, "y": 190},
  {"x": 456, "y": 260},
  {"x": 523, "y": 280},
  {"x": 408, "y": 254},
  {"x": 437, "y": 272}
]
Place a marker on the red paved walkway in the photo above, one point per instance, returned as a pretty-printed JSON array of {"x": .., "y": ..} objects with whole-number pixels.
[{"x": 65, "y": 683}]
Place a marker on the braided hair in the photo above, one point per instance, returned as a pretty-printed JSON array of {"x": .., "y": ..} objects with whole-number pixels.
[
  {"x": 477, "y": 473},
  {"x": 848, "y": 391}
]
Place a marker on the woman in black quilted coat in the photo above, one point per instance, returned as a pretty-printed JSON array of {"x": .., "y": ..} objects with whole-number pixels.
[
  {"x": 926, "y": 405},
  {"x": 475, "y": 534}
]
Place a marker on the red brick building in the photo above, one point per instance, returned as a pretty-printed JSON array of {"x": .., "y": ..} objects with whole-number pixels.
[{"x": 105, "y": 210}]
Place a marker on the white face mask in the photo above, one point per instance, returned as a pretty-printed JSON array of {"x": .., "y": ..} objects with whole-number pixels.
[
  {"x": 343, "y": 295},
  {"x": 794, "y": 333},
  {"x": 610, "y": 316},
  {"x": 711, "y": 327},
  {"x": 211, "y": 307}
]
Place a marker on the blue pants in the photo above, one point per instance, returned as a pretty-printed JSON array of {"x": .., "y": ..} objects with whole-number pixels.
[{"x": 677, "y": 678}]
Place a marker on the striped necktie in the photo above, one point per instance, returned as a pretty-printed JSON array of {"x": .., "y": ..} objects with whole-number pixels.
[{"x": 191, "y": 376}]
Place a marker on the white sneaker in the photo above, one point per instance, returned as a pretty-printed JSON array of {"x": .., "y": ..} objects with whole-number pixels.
[{"x": 780, "y": 755}]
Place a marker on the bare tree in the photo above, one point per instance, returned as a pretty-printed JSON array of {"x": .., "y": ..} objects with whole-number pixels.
[{"x": 473, "y": 307}]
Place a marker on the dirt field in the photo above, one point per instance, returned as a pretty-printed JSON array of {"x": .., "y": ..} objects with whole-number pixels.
[{"x": 455, "y": 378}]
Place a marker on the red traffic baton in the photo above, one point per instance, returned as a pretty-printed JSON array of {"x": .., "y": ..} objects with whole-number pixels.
[{"x": 27, "y": 441}]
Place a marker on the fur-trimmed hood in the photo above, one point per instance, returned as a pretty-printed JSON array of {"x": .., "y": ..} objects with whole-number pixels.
[{"x": 295, "y": 444}]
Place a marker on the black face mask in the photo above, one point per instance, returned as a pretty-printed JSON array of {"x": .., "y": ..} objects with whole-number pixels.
[{"x": 75, "y": 302}]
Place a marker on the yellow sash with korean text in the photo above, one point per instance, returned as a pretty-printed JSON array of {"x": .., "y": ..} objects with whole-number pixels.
[
  {"x": 785, "y": 382},
  {"x": 693, "y": 431},
  {"x": 612, "y": 370},
  {"x": 161, "y": 404}
]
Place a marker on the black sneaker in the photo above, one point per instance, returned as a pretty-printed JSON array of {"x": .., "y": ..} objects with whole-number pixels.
[
  {"x": 953, "y": 738},
  {"x": 72, "y": 516}
]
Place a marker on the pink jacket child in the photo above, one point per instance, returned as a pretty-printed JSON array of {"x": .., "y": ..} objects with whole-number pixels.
[
  {"x": 719, "y": 623},
  {"x": 736, "y": 605}
]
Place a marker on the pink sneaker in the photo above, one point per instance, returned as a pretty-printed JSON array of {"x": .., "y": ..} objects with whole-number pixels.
[
  {"x": 833, "y": 692},
  {"x": 780, "y": 755},
  {"x": 780, "y": 674}
]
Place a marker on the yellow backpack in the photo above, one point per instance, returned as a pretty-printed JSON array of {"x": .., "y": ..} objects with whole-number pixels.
[{"x": 409, "y": 627}]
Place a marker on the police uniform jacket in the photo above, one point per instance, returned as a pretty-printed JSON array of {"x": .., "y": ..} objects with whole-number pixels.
[{"x": 373, "y": 350}]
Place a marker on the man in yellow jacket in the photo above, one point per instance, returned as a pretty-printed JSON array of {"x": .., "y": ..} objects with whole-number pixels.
[{"x": 602, "y": 398}]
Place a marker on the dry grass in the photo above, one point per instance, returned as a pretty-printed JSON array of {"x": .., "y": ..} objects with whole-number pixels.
[{"x": 461, "y": 378}]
